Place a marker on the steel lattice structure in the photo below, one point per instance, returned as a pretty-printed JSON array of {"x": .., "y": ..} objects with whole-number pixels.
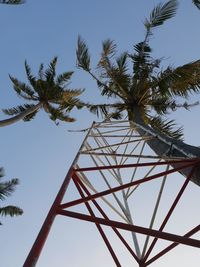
[{"x": 115, "y": 172}]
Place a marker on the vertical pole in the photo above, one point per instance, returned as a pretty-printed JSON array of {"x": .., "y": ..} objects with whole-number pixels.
[{"x": 36, "y": 249}]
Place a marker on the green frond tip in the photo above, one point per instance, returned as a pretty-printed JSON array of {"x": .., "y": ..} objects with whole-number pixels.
[
  {"x": 12, "y": 2},
  {"x": 64, "y": 77},
  {"x": 31, "y": 78},
  {"x": 22, "y": 89},
  {"x": 109, "y": 48},
  {"x": 82, "y": 54},
  {"x": 11, "y": 211},
  {"x": 58, "y": 114},
  {"x": 122, "y": 62},
  {"x": 7, "y": 188},
  {"x": 161, "y": 13},
  {"x": 51, "y": 71},
  {"x": 180, "y": 81},
  {"x": 166, "y": 127},
  {"x": 196, "y": 3},
  {"x": 20, "y": 109},
  {"x": 99, "y": 110}
]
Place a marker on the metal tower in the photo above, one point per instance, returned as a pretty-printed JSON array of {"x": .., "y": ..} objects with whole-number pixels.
[{"x": 125, "y": 187}]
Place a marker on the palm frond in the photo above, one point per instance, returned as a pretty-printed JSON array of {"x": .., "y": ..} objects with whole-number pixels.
[
  {"x": 22, "y": 89},
  {"x": 11, "y": 211},
  {"x": 32, "y": 79},
  {"x": 82, "y": 54},
  {"x": 73, "y": 103},
  {"x": 17, "y": 110},
  {"x": 51, "y": 71},
  {"x": 161, "y": 13},
  {"x": 108, "y": 52},
  {"x": 107, "y": 110},
  {"x": 196, "y": 3},
  {"x": 58, "y": 114},
  {"x": 162, "y": 104},
  {"x": 99, "y": 110},
  {"x": 68, "y": 94},
  {"x": 180, "y": 81},
  {"x": 30, "y": 116},
  {"x": 108, "y": 48},
  {"x": 166, "y": 127},
  {"x": 12, "y": 2},
  {"x": 41, "y": 71},
  {"x": 141, "y": 61},
  {"x": 7, "y": 188},
  {"x": 64, "y": 77}
]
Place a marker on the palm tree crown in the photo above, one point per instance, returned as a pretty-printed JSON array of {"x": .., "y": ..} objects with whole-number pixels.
[
  {"x": 48, "y": 91},
  {"x": 137, "y": 80},
  {"x": 144, "y": 90}
]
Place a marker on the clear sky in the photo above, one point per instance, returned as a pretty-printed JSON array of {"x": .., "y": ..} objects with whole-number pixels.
[{"x": 39, "y": 153}]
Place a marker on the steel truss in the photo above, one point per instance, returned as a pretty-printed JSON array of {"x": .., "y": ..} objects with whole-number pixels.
[{"x": 124, "y": 186}]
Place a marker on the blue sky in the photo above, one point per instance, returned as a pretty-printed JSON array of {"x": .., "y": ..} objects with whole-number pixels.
[{"x": 39, "y": 152}]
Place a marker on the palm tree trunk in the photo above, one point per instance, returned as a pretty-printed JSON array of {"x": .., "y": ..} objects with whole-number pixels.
[
  {"x": 20, "y": 116},
  {"x": 164, "y": 145}
]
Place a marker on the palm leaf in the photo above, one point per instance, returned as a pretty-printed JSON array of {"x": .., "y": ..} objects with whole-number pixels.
[
  {"x": 108, "y": 52},
  {"x": 22, "y": 89},
  {"x": 99, "y": 110},
  {"x": 161, "y": 13},
  {"x": 82, "y": 54},
  {"x": 107, "y": 110},
  {"x": 7, "y": 188},
  {"x": 31, "y": 78},
  {"x": 162, "y": 104},
  {"x": 51, "y": 71},
  {"x": 141, "y": 61},
  {"x": 11, "y": 211},
  {"x": 122, "y": 62},
  {"x": 108, "y": 48},
  {"x": 18, "y": 109},
  {"x": 166, "y": 127},
  {"x": 30, "y": 116},
  {"x": 64, "y": 77},
  {"x": 41, "y": 71},
  {"x": 180, "y": 81},
  {"x": 58, "y": 114}
]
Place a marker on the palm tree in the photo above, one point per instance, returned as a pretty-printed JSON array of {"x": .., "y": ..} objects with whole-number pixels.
[
  {"x": 6, "y": 189},
  {"x": 46, "y": 91},
  {"x": 144, "y": 90}
]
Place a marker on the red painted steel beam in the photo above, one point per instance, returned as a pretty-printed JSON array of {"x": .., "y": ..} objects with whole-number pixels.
[
  {"x": 106, "y": 217},
  {"x": 146, "y": 164},
  {"x": 38, "y": 245},
  {"x": 133, "y": 228},
  {"x": 170, "y": 247},
  {"x": 118, "y": 188},
  {"x": 102, "y": 233}
]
